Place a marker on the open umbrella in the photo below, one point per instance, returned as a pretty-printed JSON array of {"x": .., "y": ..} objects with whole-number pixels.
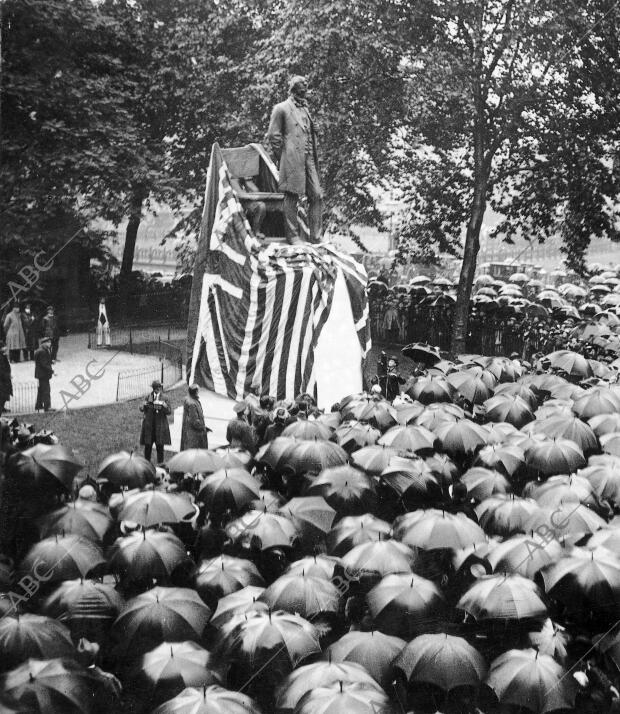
[
  {"x": 405, "y": 604},
  {"x": 558, "y": 456},
  {"x": 158, "y": 615},
  {"x": 505, "y": 514},
  {"x": 373, "y": 459},
  {"x": 352, "y": 435},
  {"x": 570, "y": 428},
  {"x": 462, "y": 437},
  {"x": 482, "y": 483},
  {"x": 269, "y": 645},
  {"x": 427, "y": 390},
  {"x": 409, "y": 438},
  {"x": 307, "y": 429},
  {"x": 505, "y": 458},
  {"x": 50, "y": 685},
  {"x": 610, "y": 443},
  {"x": 262, "y": 530},
  {"x": 60, "y": 558},
  {"x": 83, "y": 605},
  {"x": 148, "y": 555},
  {"x": 379, "y": 558},
  {"x": 311, "y": 457},
  {"x": 442, "y": 660},
  {"x": 377, "y": 412},
  {"x": 412, "y": 480},
  {"x": 524, "y": 554},
  {"x": 422, "y": 352},
  {"x": 471, "y": 386},
  {"x": 275, "y": 453},
  {"x": 571, "y": 363},
  {"x": 354, "y": 530},
  {"x": 311, "y": 515},
  {"x": 563, "y": 489},
  {"x": 527, "y": 678},
  {"x": 503, "y": 597},
  {"x": 431, "y": 528},
  {"x": 509, "y": 408},
  {"x": 217, "y": 577},
  {"x": 237, "y": 603},
  {"x": 603, "y": 472},
  {"x": 151, "y": 508},
  {"x": 228, "y": 489},
  {"x": 318, "y": 566},
  {"x": 598, "y": 400},
  {"x": 170, "y": 668},
  {"x": 352, "y": 698},
  {"x": 36, "y": 636},
  {"x": 346, "y": 489},
  {"x": 56, "y": 461},
  {"x": 437, "y": 414},
  {"x": 81, "y": 517},
  {"x": 550, "y": 640},
  {"x": 372, "y": 650},
  {"x": 585, "y": 580},
  {"x": 233, "y": 457},
  {"x": 569, "y": 521},
  {"x": 310, "y": 677},
  {"x": 196, "y": 461},
  {"x": 208, "y": 700},
  {"x": 302, "y": 594},
  {"x": 125, "y": 469},
  {"x": 604, "y": 423}
]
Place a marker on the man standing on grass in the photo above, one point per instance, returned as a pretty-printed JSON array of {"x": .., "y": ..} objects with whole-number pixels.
[
  {"x": 43, "y": 372},
  {"x": 155, "y": 429}
]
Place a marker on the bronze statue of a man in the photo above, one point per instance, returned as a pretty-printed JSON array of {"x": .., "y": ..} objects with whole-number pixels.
[{"x": 292, "y": 138}]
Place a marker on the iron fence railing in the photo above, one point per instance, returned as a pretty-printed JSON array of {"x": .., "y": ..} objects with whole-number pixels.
[
  {"x": 133, "y": 383},
  {"x": 24, "y": 397},
  {"x": 140, "y": 339}
]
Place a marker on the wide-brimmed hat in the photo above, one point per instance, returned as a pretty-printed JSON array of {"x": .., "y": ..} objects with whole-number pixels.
[
  {"x": 43, "y": 340},
  {"x": 193, "y": 388},
  {"x": 156, "y": 383}
]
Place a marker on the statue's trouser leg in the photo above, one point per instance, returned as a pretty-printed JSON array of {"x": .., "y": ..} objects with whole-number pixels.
[
  {"x": 291, "y": 226},
  {"x": 315, "y": 203}
]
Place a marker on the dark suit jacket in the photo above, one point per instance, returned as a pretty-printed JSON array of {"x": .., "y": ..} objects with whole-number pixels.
[
  {"x": 287, "y": 139},
  {"x": 43, "y": 364}
]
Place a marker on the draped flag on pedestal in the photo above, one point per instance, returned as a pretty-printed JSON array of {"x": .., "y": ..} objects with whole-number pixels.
[{"x": 263, "y": 306}]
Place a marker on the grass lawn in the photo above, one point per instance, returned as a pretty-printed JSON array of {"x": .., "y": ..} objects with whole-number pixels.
[{"x": 95, "y": 432}]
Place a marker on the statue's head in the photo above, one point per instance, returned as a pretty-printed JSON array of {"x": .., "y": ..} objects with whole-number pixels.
[{"x": 298, "y": 86}]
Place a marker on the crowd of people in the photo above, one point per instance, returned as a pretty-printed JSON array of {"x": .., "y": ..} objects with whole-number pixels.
[
  {"x": 23, "y": 328},
  {"x": 452, "y": 549},
  {"x": 521, "y": 316}
]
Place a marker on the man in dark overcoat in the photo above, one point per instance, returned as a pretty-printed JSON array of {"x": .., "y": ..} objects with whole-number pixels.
[
  {"x": 43, "y": 372},
  {"x": 292, "y": 138},
  {"x": 193, "y": 431},
  {"x": 155, "y": 429}
]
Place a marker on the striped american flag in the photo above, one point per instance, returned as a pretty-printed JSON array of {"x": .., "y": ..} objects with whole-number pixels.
[{"x": 263, "y": 308}]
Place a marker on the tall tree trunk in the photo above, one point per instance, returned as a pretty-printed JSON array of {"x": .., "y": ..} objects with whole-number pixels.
[
  {"x": 468, "y": 267},
  {"x": 131, "y": 234}
]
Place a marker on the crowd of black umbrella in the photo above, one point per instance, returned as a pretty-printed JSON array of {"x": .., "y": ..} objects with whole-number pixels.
[{"x": 454, "y": 551}]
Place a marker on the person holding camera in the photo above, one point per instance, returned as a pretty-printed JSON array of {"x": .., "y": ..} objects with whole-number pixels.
[{"x": 155, "y": 429}]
